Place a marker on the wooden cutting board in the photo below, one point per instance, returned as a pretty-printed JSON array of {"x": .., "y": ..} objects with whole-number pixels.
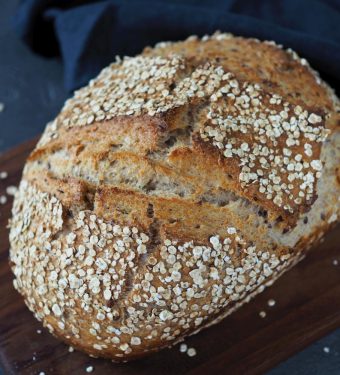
[{"x": 307, "y": 307}]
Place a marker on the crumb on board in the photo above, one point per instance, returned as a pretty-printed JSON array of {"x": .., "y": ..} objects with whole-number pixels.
[
  {"x": 262, "y": 314},
  {"x": 183, "y": 348},
  {"x": 335, "y": 262},
  {"x": 39, "y": 331},
  {"x": 191, "y": 352},
  {"x": 11, "y": 190},
  {"x": 71, "y": 349},
  {"x": 3, "y": 199},
  {"x": 3, "y": 175},
  {"x": 89, "y": 369},
  {"x": 326, "y": 349},
  {"x": 42, "y": 373},
  {"x": 271, "y": 302}
]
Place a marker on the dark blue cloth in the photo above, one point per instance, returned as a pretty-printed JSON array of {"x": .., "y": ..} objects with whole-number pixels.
[{"x": 89, "y": 34}]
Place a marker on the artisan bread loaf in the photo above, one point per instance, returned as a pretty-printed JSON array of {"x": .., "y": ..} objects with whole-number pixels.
[{"x": 171, "y": 190}]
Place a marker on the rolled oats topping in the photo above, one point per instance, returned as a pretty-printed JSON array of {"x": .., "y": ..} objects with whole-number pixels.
[{"x": 88, "y": 271}]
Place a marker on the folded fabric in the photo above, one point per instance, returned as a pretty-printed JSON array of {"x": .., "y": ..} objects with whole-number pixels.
[{"x": 89, "y": 34}]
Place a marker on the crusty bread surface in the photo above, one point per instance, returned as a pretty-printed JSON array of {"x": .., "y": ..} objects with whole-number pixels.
[{"x": 171, "y": 190}]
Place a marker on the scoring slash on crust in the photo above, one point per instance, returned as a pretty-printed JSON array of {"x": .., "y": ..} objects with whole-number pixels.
[{"x": 272, "y": 147}]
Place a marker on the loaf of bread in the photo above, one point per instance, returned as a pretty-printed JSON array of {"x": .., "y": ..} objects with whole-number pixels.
[{"x": 172, "y": 189}]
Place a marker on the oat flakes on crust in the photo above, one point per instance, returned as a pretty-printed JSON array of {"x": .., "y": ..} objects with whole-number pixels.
[{"x": 171, "y": 190}]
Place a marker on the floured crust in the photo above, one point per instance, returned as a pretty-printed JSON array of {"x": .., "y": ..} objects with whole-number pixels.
[{"x": 171, "y": 190}]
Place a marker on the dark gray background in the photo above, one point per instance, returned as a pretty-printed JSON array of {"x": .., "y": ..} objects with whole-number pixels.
[{"x": 31, "y": 88}]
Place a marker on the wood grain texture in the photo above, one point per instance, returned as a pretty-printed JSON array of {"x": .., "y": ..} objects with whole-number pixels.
[{"x": 307, "y": 307}]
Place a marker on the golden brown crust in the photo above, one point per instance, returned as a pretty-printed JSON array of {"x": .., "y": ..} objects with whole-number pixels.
[
  {"x": 266, "y": 63},
  {"x": 269, "y": 143},
  {"x": 171, "y": 190}
]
